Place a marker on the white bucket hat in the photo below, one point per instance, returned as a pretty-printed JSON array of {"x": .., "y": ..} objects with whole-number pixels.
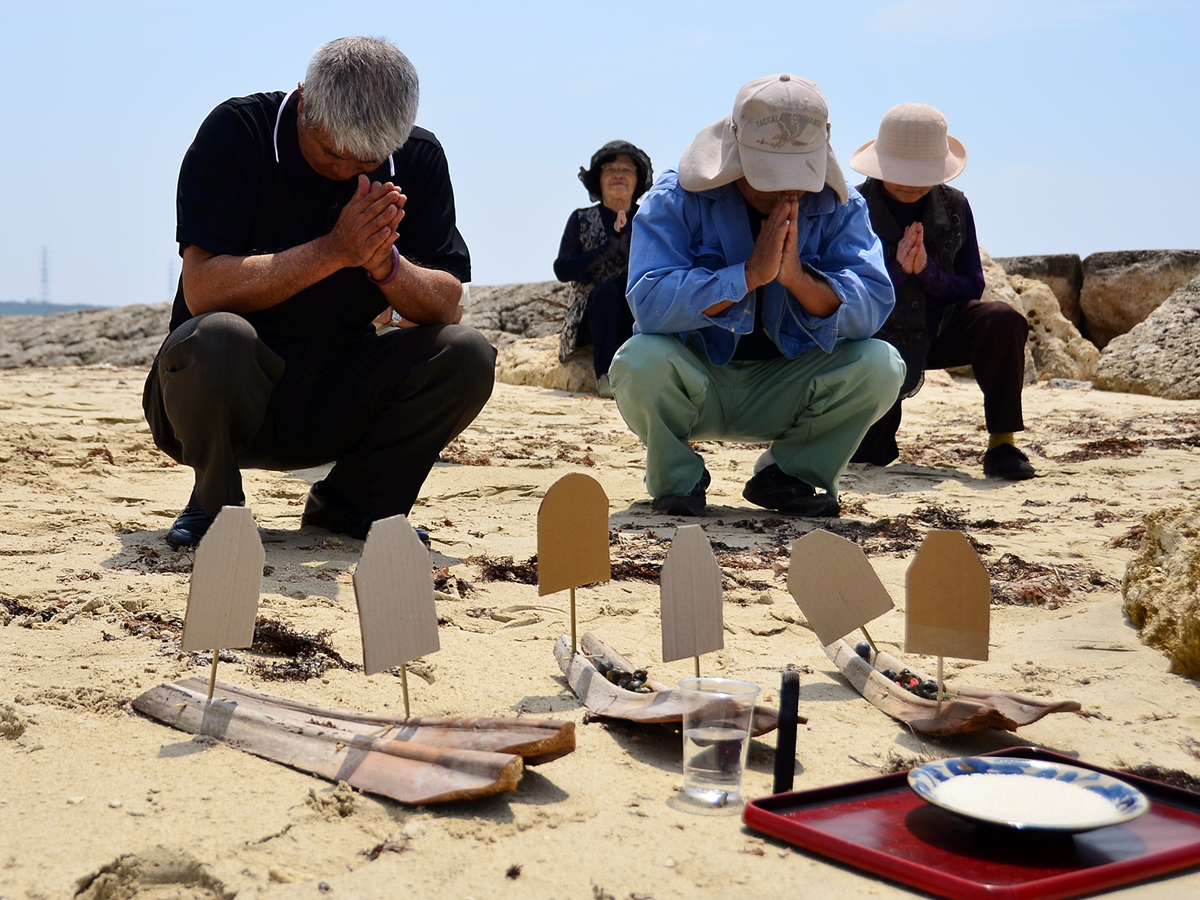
[
  {"x": 777, "y": 136},
  {"x": 912, "y": 148}
]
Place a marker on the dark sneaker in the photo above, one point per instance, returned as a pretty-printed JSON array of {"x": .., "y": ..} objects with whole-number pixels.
[
  {"x": 323, "y": 510},
  {"x": 191, "y": 525},
  {"x": 1006, "y": 461},
  {"x": 773, "y": 488},
  {"x": 685, "y": 505}
]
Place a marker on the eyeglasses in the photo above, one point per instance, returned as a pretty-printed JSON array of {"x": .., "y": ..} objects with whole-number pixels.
[{"x": 618, "y": 169}]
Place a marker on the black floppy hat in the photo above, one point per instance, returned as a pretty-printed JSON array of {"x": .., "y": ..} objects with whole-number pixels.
[{"x": 610, "y": 151}]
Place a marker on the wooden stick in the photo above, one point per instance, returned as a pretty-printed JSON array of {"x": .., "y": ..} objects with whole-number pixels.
[
  {"x": 870, "y": 640},
  {"x": 404, "y": 687},
  {"x": 941, "y": 689},
  {"x": 573, "y": 641},
  {"x": 697, "y": 659},
  {"x": 212, "y": 676}
]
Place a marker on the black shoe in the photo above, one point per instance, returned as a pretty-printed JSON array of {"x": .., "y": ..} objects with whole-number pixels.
[
  {"x": 875, "y": 456},
  {"x": 323, "y": 510},
  {"x": 685, "y": 505},
  {"x": 191, "y": 525},
  {"x": 772, "y": 488},
  {"x": 1006, "y": 461}
]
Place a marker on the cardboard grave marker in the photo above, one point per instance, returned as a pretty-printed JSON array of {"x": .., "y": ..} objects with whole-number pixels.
[
  {"x": 223, "y": 593},
  {"x": 835, "y": 586},
  {"x": 393, "y": 585},
  {"x": 692, "y": 617},
  {"x": 573, "y": 538},
  {"x": 948, "y": 609}
]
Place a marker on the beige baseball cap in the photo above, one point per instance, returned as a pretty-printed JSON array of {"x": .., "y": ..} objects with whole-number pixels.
[
  {"x": 777, "y": 136},
  {"x": 912, "y": 148}
]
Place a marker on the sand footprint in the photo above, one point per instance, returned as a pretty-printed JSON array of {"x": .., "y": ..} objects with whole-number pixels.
[{"x": 156, "y": 872}]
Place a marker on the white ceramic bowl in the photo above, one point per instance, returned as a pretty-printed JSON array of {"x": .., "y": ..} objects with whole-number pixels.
[{"x": 1126, "y": 801}]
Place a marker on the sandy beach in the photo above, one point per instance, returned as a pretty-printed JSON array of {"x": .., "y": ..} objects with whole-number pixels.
[{"x": 91, "y": 598}]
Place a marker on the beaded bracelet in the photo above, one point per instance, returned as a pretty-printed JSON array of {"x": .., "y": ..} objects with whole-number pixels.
[{"x": 394, "y": 273}]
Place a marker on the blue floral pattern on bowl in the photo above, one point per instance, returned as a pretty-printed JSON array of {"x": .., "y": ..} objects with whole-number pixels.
[{"x": 1127, "y": 801}]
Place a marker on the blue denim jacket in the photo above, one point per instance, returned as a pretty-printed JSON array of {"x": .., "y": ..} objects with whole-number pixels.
[{"x": 688, "y": 251}]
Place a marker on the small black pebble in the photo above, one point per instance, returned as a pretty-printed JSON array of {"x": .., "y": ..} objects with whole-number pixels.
[
  {"x": 890, "y": 674},
  {"x": 863, "y": 649}
]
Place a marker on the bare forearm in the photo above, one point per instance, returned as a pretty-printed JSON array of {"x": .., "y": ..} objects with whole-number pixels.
[
  {"x": 814, "y": 294},
  {"x": 717, "y": 308},
  {"x": 424, "y": 296},
  {"x": 244, "y": 284}
]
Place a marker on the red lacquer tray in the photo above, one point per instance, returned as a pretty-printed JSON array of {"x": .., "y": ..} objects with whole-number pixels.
[{"x": 881, "y": 826}]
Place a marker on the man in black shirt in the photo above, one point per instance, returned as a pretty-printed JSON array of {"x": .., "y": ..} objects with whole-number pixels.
[{"x": 300, "y": 219}]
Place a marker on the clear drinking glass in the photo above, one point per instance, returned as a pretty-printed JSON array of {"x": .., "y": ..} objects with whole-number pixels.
[{"x": 716, "y": 736}]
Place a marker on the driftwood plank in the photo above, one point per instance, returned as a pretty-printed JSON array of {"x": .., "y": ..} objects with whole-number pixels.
[
  {"x": 537, "y": 740},
  {"x": 663, "y": 704},
  {"x": 966, "y": 709},
  {"x": 420, "y": 761}
]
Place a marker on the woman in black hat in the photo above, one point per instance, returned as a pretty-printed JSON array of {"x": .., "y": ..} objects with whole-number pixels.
[{"x": 594, "y": 256}]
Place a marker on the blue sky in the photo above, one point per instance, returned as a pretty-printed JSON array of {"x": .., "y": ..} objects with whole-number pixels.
[{"x": 1080, "y": 118}]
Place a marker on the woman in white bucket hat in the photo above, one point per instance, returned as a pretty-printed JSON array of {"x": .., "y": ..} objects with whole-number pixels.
[{"x": 932, "y": 251}]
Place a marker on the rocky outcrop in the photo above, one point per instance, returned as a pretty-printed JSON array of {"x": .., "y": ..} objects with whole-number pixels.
[
  {"x": 535, "y": 362},
  {"x": 120, "y": 336},
  {"x": 1162, "y": 586},
  {"x": 1058, "y": 349},
  {"x": 509, "y": 312},
  {"x": 1160, "y": 356},
  {"x": 1061, "y": 272},
  {"x": 1055, "y": 348},
  {"x": 998, "y": 287},
  {"x": 1121, "y": 289},
  {"x": 523, "y": 321},
  {"x": 131, "y": 335}
]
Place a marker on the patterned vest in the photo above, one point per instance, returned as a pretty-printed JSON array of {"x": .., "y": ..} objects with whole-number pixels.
[
  {"x": 591, "y": 236},
  {"x": 917, "y": 318}
]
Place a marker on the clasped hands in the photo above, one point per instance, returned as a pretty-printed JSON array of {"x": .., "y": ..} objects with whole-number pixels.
[
  {"x": 910, "y": 252},
  {"x": 365, "y": 230},
  {"x": 776, "y": 257}
]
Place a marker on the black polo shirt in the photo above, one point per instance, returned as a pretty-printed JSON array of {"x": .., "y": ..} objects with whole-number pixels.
[{"x": 235, "y": 199}]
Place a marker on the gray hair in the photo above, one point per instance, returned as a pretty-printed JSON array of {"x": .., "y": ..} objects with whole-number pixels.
[{"x": 364, "y": 92}]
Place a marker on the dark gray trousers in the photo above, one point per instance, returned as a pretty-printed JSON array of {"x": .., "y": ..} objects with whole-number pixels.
[
  {"x": 989, "y": 336},
  {"x": 381, "y": 408}
]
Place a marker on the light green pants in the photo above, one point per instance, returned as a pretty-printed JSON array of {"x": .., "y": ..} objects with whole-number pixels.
[{"x": 814, "y": 409}]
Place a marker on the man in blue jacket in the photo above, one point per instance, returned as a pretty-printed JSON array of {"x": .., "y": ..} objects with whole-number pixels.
[{"x": 756, "y": 282}]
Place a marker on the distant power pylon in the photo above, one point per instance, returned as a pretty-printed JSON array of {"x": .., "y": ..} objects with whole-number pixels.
[{"x": 45, "y": 274}]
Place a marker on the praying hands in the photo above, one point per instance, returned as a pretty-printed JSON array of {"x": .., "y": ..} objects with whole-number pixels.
[{"x": 910, "y": 252}]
